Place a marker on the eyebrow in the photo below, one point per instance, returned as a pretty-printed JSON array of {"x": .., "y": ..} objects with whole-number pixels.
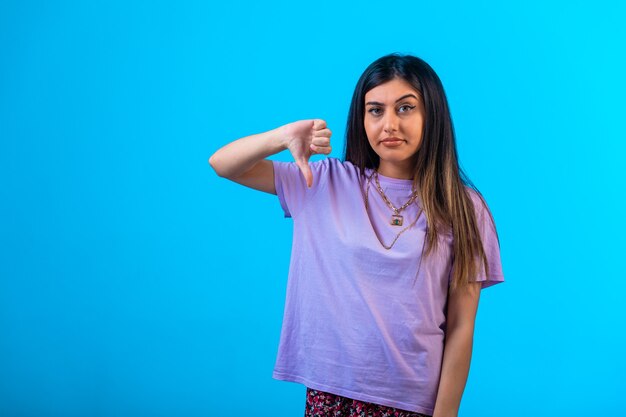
[{"x": 400, "y": 99}]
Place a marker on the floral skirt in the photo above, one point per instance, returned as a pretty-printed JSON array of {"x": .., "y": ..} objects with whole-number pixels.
[{"x": 323, "y": 404}]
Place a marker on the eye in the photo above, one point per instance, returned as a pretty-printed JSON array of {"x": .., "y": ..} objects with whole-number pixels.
[
  {"x": 374, "y": 111},
  {"x": 406, "y": 108}
]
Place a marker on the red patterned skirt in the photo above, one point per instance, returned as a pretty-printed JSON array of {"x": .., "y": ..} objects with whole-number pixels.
[{"x": 324, "y": 404}]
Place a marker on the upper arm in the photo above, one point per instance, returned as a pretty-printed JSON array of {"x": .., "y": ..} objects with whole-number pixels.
[
  {"x": 259, "y": 177},
  {"x": 463, "y": 305}
]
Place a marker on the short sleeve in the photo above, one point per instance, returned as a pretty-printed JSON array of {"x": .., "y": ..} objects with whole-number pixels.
[
  {"x": 291, "y": 187},
  {"x": 491, "y": 245}
]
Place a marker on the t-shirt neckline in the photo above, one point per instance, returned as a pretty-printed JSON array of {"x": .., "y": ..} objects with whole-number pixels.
[{"x": 390, "y": 180}]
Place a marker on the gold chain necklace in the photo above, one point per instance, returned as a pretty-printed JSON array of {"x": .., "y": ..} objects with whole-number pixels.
[
  {"x": 396, "y": 218},
  {"x": 367, "y": 188}
]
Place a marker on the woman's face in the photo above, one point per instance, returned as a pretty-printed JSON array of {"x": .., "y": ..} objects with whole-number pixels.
[{"x": 394, "y": 121}]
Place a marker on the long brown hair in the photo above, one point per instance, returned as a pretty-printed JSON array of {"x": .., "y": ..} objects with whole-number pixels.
[{"x": 441, "y": 183}]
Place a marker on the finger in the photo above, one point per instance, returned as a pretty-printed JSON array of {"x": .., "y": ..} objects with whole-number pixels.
[
  {"x": 323, "y": 132},
  {"x": 321, "y": 141},
  {"x": 319, "y": 124},
  {"x": 306, "y": 171},
  {"x": 321, "y": 149}
]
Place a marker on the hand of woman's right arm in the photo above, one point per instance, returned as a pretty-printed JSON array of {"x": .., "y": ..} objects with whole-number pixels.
[{"x": 243, "y": 160}]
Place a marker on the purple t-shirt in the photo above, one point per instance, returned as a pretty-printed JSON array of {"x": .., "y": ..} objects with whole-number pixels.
[{"x": 359, "y": 320}]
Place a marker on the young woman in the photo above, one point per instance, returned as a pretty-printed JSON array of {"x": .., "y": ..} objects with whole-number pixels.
[{"x": 391, "y": 248}]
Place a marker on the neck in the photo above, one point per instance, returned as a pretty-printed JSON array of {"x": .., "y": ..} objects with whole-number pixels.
[{"x": 399, "y": 170}]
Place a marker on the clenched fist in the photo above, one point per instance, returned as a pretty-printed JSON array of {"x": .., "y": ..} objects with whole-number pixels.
[{"x": 305, "y": 138}]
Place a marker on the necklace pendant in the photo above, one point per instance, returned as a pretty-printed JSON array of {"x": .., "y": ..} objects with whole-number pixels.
[{"x": 396, "y": 220}]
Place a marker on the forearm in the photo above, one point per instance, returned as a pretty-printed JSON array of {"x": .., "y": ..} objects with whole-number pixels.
[
  {"x": 239, "y": 156},
  {"x": 454, "y": 371}
]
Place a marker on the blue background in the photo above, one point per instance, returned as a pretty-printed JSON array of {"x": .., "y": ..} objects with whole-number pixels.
[{"x": 136, "y": 282}]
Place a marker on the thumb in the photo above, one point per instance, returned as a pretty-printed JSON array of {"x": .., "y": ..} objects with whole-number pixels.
[{"x": 303, "y": 164}]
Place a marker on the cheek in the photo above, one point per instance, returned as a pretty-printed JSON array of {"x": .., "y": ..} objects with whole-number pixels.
[
  {"x": 369, "y": 128},
  {"x": 370, "y": 125},
  {"x": 416, "y": 127}
]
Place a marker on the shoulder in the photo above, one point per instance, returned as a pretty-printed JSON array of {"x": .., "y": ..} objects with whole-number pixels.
[
  {"x": 334, "y": 166},
  {"x": 478, "y": 200},
  {"x": 332, "y": 162},
  {"x": 324, "y": 169},
  {"x": 333, "y": 173},
  {"x": 482, "y": 212}
]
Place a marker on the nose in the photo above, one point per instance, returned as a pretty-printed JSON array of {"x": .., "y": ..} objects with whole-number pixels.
[{"x": 390, "y": 123}]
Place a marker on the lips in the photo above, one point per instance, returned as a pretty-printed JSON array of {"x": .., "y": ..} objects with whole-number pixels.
[{"x": 391, "y": 140}]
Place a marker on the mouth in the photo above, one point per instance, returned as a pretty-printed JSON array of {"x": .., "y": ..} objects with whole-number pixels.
[{"x": 392, "y": 141}]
